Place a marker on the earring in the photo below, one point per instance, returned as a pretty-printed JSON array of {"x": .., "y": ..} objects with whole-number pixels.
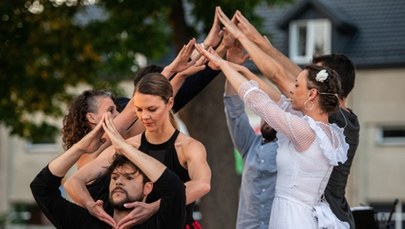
[{"x": 311, "y": 105}]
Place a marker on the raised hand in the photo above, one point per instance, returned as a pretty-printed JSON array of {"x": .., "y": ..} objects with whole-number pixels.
[
  {"x": 180, "y": 77},
  {"x": 247, "y": 28},
  {"x": 214, "y": 36},
  {"x": 211, "y": 55},
  {"x": 199, "y": 65},
  {"x": 229, "y": 25},
  {"x": 181, "y": 62},
  {"x": 116, "y": 139},
  {"x": 236, "y": 54},
  {"x": 93, "y": 140},
  {"x": 97, "y": 210},
  {"x": 140, "y": 213}
]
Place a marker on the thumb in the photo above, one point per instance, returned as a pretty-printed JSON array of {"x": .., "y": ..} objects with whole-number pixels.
[
  {"x": 99, "y": 202},
  {"x": 131, "y": 205}
]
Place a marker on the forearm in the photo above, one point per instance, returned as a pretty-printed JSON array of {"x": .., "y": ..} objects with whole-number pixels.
[
  {"x": 168, "y": 71},
  {"x": 195, "y": 190},
  {"x": 267, "y": 65},
  {"x": 87, "y": 158},
  {"x": 124, "y": 119},
  {"x": 229, "y": 90},
  {"x": 176, "y": 83},
  {"x": 234, "y": 77},
  {"x": 61, "y": 165},
  {"x": 151, "y": 167},
  {"x": 292, "y": 68},
  {"x": 75, "y": 185},
  {"x": 270, "y": 91},
  {"x": 78, "y": 192}
]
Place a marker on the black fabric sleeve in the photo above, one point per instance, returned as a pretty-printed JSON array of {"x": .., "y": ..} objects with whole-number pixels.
[
  {"x": 193, "y": 85},
  {"x": 172, "y": 211},
  {"x": 61, "y": 212}
]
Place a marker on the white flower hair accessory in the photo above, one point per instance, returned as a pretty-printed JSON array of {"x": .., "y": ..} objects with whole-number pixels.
[{"x": 321, "y": 76}]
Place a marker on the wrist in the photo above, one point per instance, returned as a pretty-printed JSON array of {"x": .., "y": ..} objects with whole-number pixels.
[
  {"x": 156, "y": 206},
  {"x": 78, "y": 149},
  {"x": 221, "y": 50},
  {"x": 241, "y": 36},
  {"x": 168, "y": 71},
  {"x": 89, "y": 204}
]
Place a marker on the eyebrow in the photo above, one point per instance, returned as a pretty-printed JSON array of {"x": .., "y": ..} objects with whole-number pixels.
[{"x": 123, "y": 174}]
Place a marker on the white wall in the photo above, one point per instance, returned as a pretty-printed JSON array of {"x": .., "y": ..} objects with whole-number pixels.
[{"x": 378, "y": 171}]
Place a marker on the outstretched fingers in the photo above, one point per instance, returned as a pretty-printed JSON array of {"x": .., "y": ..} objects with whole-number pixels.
[
  {"x": 112, "y": 132},
  {"x": 97, "y": 210},
  {"x": 214, "y": 36},
  {"x": 211, "y": 55},
  {"x": 228, "y": 24}
]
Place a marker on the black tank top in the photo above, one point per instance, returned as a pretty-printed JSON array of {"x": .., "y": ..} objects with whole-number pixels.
[{"x": 167, "y": 154}]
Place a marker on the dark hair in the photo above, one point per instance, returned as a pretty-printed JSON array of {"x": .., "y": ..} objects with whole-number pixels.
[
  {"x": 121, "y": 102},
  {"x": 328, "y": 90},
  {"x": 343, "y": 66},
  {"x": 158, "y": 85},
  {"x": 120, "y": 160},
  {"x": 155, "y": 84},
  {"x": 153, "y": 68},
  {"x": 75, "y": 125}
]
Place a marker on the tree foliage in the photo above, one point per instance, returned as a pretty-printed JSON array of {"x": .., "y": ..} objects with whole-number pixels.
[{"x": 46, "y": 46}]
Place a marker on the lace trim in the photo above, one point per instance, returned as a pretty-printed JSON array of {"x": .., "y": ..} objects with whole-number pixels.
[{"x": 334, "y": 155}]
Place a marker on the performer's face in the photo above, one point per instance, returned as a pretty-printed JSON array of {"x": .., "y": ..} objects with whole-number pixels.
[
  {"x": 126, "y": 186},
  {"x": 152, "y": 110}
]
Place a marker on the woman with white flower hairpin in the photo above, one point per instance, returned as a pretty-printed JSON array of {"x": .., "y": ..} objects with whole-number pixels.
[{"x": 309, "y": 146}]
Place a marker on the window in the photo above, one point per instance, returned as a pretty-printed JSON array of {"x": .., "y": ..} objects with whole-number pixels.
[
  {"x": 308, "y": 38},
  {"x": 390, "y": 135}
]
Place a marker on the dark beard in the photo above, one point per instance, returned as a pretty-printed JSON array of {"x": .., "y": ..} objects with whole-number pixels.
[{"x": 119, "y": 206}]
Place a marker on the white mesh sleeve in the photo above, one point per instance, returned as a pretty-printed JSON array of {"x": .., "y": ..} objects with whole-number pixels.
[{"x": 292, "y": 126}]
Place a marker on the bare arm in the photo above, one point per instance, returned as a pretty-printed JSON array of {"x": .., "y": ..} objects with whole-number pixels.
[
  {"x": 75, "y": 186},
  {"x": 151, "y": 167},
  {"x": 89, "y": 143},
  {"x": 268, "y": 89},
  {"x": 251, "y": 32},
  {"x": 267, "y": 65},
  {"x": 198, "y": 170},
  {"x": 127, "y": 125},
  {"x": 236, "y": 57},
  {"x": 237, "y": 74}
]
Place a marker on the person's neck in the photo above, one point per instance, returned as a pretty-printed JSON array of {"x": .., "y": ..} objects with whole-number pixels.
[
  {"x": 342, "y": 104},
  {"x": 119, "y": 215},
  {"x": 161, "y": 134},
  {"x": 318, "y": 115}
]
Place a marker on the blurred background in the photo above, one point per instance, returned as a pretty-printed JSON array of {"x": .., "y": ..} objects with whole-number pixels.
[{"x": 51, "y": 50}]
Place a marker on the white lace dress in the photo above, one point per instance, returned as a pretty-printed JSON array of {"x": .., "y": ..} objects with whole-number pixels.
[{"x": 307, "y": 152}]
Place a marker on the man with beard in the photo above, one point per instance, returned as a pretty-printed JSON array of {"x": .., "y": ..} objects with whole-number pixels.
[{"x": 133, "y": 175}]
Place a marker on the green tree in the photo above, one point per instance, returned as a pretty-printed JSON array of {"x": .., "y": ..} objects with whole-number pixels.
[{"x": 49, "y": 46}]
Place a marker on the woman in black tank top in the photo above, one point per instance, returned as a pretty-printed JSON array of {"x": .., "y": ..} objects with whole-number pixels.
[{"x": 153, "y": 99}]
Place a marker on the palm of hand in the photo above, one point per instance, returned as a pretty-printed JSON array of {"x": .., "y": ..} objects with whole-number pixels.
[{"x": 235, "y": 55}]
